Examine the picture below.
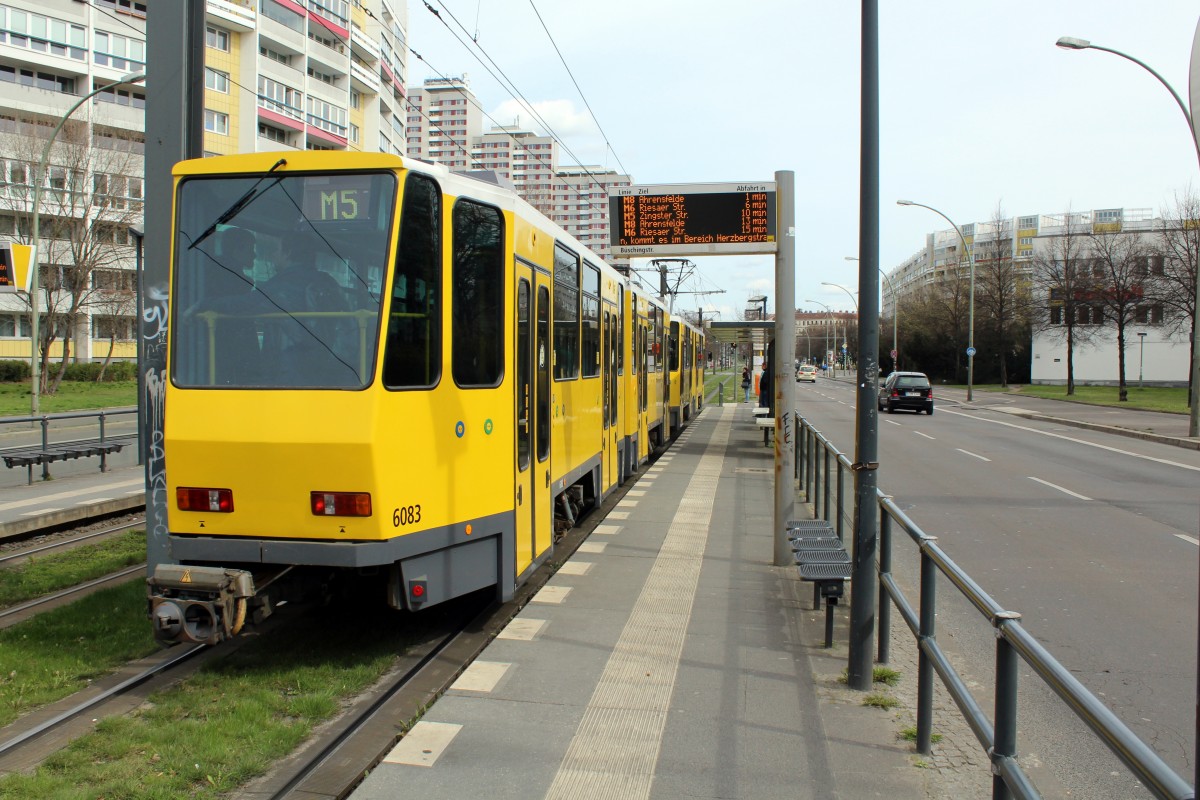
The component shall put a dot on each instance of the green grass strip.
(231, 721)
(71, 396)
(41, 575)
(1171, 399)
(60, 652)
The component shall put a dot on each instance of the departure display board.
(693, 219)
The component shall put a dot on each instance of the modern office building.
(280, 75)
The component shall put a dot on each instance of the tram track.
(24, 735)
(342, 754)
(342, 751)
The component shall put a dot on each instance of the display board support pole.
(784, 368)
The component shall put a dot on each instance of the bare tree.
(1119, 267)
(1179, 248)
(91, 194)
(115, 305)
(1001, 293)
(1062, 277)
(935, 332)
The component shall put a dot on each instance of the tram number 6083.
(406, 515)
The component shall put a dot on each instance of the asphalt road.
(1093, 538)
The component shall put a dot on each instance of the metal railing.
(1013, 642)
(44, 422)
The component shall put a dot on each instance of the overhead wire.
(582, 97)
(508, 85)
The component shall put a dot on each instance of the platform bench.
(822, 559)
(768, 427)
(29, 457)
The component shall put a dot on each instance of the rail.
(1013, 642)
(45, 451)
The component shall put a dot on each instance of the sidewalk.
(1154, 426)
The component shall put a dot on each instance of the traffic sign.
(971, 352)
(894, 354)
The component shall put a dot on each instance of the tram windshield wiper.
(251, 194)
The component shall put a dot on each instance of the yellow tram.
(378, 365)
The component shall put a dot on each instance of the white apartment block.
(280, 75)
(445, 125)
(1155, 350)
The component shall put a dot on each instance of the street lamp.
(759, 298)
(1141, 355)
(844, 289)
(1071, 43)
(895, 313)
(830, 310)
(40, 177)
(970, 297)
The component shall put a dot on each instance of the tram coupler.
(204, 605)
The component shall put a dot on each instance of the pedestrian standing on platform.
(766, 391)
(746, 384)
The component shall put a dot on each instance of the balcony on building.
(237, 15)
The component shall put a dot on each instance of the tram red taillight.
(189, 498)
(341, 504)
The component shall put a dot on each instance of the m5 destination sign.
(693, 219)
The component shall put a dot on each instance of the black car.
(906, 390)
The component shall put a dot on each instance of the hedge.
(16, 371)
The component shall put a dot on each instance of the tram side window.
(591, 321)
(477, 316)
(566, 314)
(636, 327)
(621, 330)
(414, 345)
(673, 348)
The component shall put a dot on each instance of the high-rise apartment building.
(279, 75)
(445, 125)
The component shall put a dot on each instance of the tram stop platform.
(667, 658)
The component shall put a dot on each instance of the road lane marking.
(973, 455)
(1061, 489)
(926, 435)
(1165, 461)
(892, 422)
(1187, 538)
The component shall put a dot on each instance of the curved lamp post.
(895, 313)
(1071, 43)
(35, 389)
(830, 310)
(852, 300)
(970, 298)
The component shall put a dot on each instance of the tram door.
(524, 426)
(534, 523)
(608, 375)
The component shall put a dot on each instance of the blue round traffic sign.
(971, 351)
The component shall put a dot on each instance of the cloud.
(568, 123)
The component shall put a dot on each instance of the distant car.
(906, 390)
(807, 373)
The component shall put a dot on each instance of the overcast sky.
(978, 109)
